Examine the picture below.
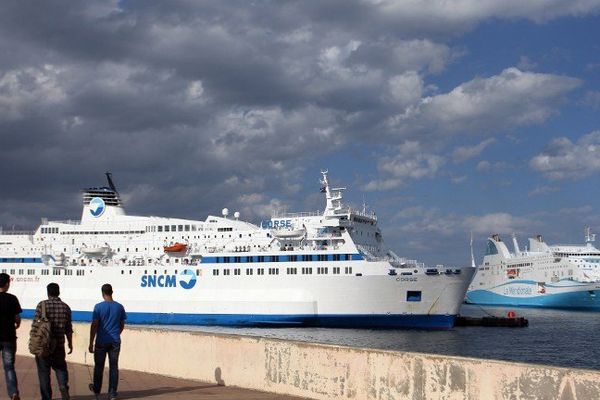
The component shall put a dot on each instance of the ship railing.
(20, 233)
(281, 214)
(364, 214)
(67, 221)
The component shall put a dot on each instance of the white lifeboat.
(96, 251)
(288, 233)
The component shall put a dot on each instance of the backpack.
(40, 336)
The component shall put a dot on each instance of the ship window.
(187, 228)
(491, 248)
(167, 228)
(173, 228)
(160, 228)
(180, 228)
(236, 271)
(248, 271)
(413, 295)
(215, 272)
(261, 271)
(226, 272)
(69, 272)
(193, 228)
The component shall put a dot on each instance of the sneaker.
(64, 393)
(91, 387)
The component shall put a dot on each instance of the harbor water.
(553, 337)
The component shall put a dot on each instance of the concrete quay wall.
(332, 372)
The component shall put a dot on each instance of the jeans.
(113, 350)
(58, 363)
(8, 359)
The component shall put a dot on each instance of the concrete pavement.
(132, 385)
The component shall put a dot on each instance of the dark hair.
(53, 289)
(107, 289)
(4, 279)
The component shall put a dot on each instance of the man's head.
(4, 281)
(53, 290)
(107, 289)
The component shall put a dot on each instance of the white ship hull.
(550, 277)
(342, 301)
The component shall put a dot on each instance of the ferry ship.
(329, 268)
(560, 276)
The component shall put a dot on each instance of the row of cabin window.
(289, 271)
(291, 258)
(101, 232)
(49, 230)
(56, 271)
(172, 228)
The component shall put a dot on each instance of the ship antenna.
(472, 257)
(110, 182)
(589, 236)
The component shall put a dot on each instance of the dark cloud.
(199, 105)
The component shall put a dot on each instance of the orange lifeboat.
(176, 248)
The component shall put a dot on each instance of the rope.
(482, 309)
(85, 353)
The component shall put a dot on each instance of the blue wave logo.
(97, 206)
(190, 282)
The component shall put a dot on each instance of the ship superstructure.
(329, 268)
(561, 276)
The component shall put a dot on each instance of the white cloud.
(563, 159)
(510, 99)
(484, 166)
(442, 16)
(525, 64)
(542, 190)
(416, 54)
(29, 87)
(410, 161)
(420, 220)
(496, 223)
(464, 153)
(406, 89)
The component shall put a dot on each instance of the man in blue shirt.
(108, 322)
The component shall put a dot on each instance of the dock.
(132, 385)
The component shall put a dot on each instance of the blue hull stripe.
(580, 300)
(330, 321)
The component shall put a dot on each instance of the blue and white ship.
(329, 268)
(561, 276)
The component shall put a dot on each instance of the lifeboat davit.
(176, 248)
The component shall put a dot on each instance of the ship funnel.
(101, 203)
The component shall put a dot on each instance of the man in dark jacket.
(9, 323)
(59, 315)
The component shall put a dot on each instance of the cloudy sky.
(445, 116)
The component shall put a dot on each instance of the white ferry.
(329, 268)
(561, 276)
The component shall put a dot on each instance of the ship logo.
(188, 280)
(97, 206)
